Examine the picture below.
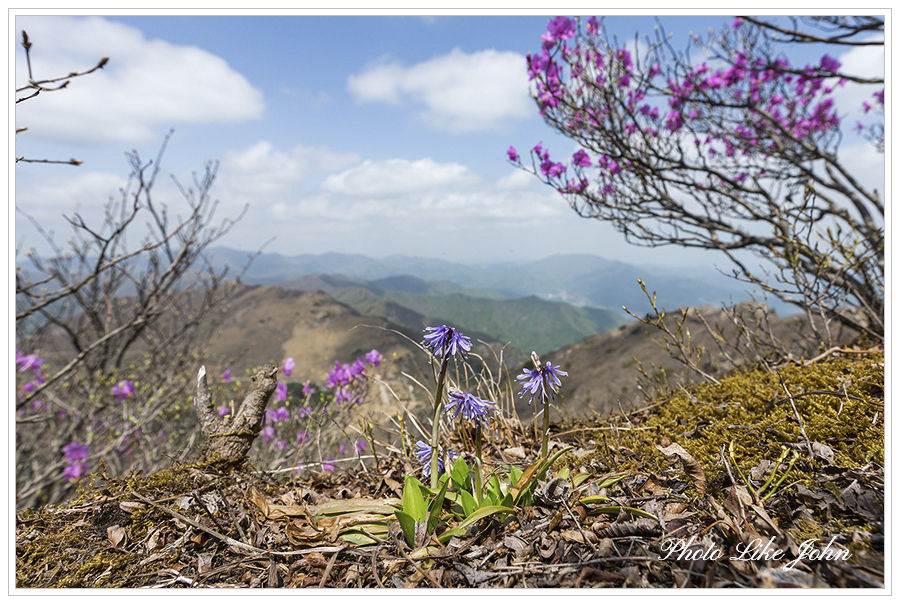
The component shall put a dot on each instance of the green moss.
(749, 409)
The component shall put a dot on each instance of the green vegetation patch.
(839, 401)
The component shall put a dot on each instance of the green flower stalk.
(443, 342)
(544, 380)
(467, 407)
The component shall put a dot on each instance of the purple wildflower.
(360, 445)
(512, 154)
(226, 375)
(326, 466)
(423, 454)
(445, 341)
(374, 357)
(829, 64)
(267, 433)
(472, 409)
(224, 410)
(288, 366)
(561, 28)
(75, 451)
(123, 390)
(581, 159)
(302, 437)
(280, 392)
(30, 362)
(540, 381)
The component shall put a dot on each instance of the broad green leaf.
(469, 504)
(507, 501)
(594, 499)
(340, 507)
(484, 513)
(610, 481)
(413, 501)
(450, 533)
(514, 474)
(563, 473)
(359, 538)
(524, 479)
(493, 487)
(460, 473)
(408, 524)
(579, 479)
(549, 462)
(434, 514)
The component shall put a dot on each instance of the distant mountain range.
(527, 323)
(581, 280)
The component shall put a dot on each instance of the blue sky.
(376, 135)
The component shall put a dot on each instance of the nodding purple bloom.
(540, 381)
(75, 471)
(445, 341)
(360, 445)
(288, 366)
(472, 409)
(326, 466)
(423, 454)
(123, 390)
(280, 392)
(75, 452)
(512, 154)
(226, 375)
(308, 390)
(224, 410)
(374, 357)
(829, 64)
(342, 449)
(561, 28)
(581, 159)
(879, 96)
(30, 362)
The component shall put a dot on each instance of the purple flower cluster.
(445, 341)
(76, 457)
(471, 408)
(124, 389)
(769, 103)
(34, 364)
(544, 381)
(423, 454)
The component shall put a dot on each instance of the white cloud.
(147, 86)
(399, 177)
(864, 62)
(460, 92)
(262, 172)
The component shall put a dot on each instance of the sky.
(375, 135)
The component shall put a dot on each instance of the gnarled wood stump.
(227, 440)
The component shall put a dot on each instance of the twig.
(234, 542)
(328, 569)
(415, 564)
(797, 415)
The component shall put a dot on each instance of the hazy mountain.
(527, 323)
(583, 280)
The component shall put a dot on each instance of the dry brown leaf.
(257, 499)
(117, 536)
(132, 506)
(691, 466)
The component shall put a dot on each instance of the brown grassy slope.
(604, 369)
(269, 324)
